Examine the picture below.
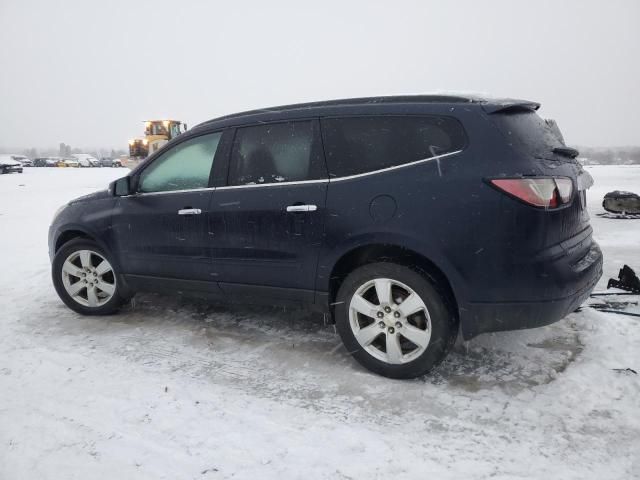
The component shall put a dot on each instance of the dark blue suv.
(404, 218)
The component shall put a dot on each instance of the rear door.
(266, 225)
(161, 230)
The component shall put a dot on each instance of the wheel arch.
(68, 235)
(389, 252)
(73, 231)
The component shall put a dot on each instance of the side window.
(364, 144)
(279, 152)
(185, 166)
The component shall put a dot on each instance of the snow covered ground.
(181, 390)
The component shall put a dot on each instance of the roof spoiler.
(510, 106)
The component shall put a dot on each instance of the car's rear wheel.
(393, 320)
(86, 279)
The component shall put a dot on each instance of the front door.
(266, 225)
(161, 230)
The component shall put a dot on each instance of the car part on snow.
(617, 307)
(627, 280)
(618, 312)
(606, 294)
(614, 304)
(625, 370)
(619, 202)
(618, 216)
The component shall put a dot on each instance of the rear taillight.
(539, 192)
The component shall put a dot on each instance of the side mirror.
(121, 187)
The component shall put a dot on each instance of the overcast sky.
(88, 73)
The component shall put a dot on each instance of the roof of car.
(489, 104)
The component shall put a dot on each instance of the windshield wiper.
(566, 152)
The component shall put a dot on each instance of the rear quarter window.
(355, 145)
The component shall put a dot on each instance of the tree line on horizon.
(609, 155)
(65, 151)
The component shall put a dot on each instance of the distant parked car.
(110, 162)
(86, 160)
(24, 161)
(9, 165)
(69, 162)
(21, 159)
(46, 162)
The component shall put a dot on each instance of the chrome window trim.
(165, 192)
(274, 184)
(395, 167)
(304, 182)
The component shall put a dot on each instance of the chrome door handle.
(190, 211)
(302, 208)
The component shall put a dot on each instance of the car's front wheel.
(86, 280)
(393, 320)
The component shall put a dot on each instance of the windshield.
(175, 130)
(530, 131)
(156, 128)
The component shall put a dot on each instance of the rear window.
(530, 131)
(356, 145)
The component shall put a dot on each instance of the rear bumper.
(574, 274)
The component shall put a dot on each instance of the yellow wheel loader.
(156, 134)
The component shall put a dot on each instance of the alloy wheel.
(88, 278)
(390, 320)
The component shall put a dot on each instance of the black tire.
(444, 324)
(120, 295)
